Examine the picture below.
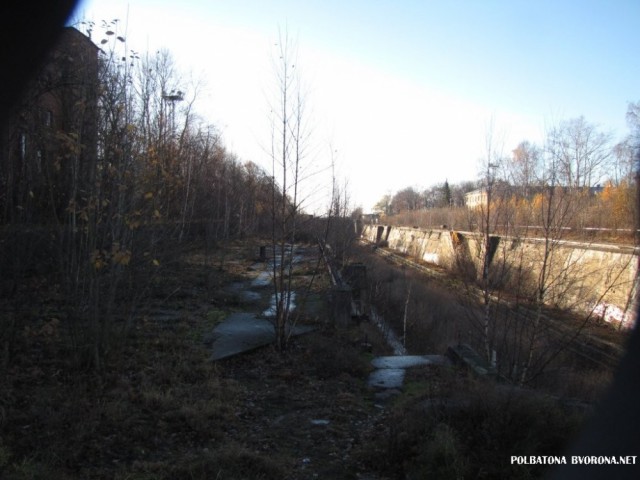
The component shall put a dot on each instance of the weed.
(470, 434)
(432, 322)
(441, 458)
(333, 355)
(5, 457)
(233, 462)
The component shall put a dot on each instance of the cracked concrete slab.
(242, 332)
(390, 370)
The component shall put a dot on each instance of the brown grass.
(451, 426)
(160, 410)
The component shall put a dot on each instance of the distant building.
(476, 198)
(48, 149)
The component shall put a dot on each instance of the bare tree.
(625, 151)
(523, 169)
(517, 324)
(492, 162)
(287, 152)
(580, 151)
(406, 199)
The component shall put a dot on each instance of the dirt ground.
(160, 409)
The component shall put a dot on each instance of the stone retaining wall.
(581, 276)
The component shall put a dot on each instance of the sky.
(399, 93)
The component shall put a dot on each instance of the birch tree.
(287, 152)
(580, 152)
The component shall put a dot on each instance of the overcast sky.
(401, 91)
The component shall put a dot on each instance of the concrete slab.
(387, 378)
(242, 332)
(248, 296)
(391, 369)
(263, 279)
(407, 361)
(463, 354)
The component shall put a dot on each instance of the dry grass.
(160, 410)
(451, 426)
(433, 320)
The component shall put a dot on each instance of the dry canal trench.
(245, 331)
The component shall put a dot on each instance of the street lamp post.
(173, 97)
